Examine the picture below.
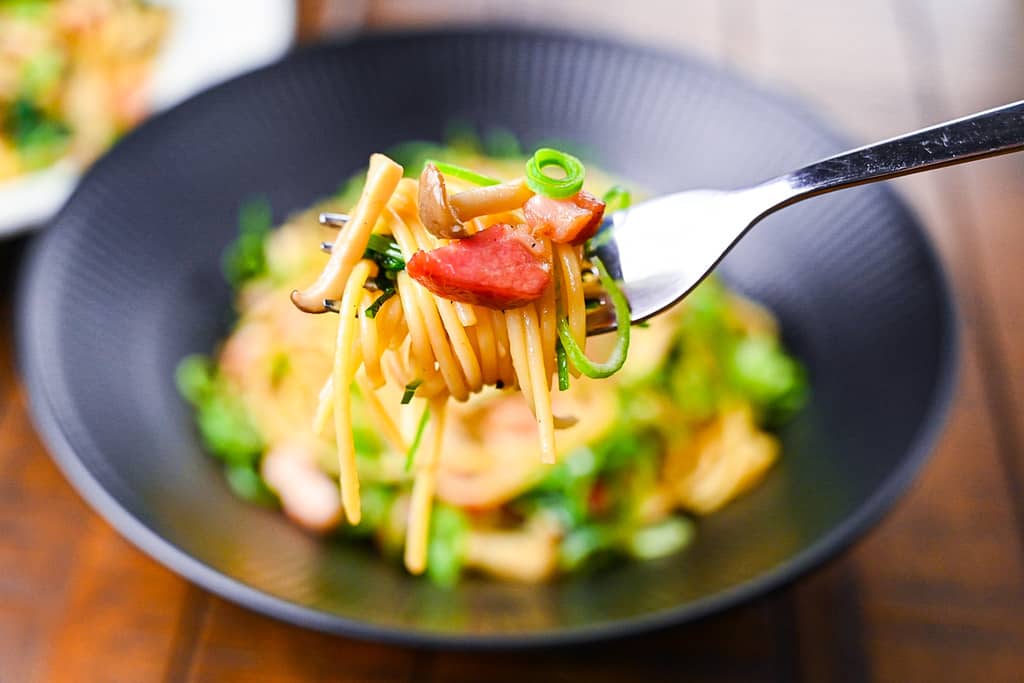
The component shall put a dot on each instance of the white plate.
(209, 42)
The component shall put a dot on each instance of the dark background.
(935, 593)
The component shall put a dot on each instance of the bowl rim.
(830, 544)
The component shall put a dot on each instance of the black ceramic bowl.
(127, 282)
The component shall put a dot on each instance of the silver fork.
(662, 248)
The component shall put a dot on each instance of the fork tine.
(334, 220)
(334, 305)
(602, 317)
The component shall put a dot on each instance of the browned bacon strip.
(499, 267)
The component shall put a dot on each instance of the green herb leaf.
(222, 419)
(382, 245)
(374, 308)
(760, 368)
(366, 442)
(501, 143)
(376, 502)
(662, 538)
(41, 72)
(27, 9)
(193, 377)
(39, 139)
(410, 456)
(410, 390)
(617, 198)
(461, 139)
(280, 366)
(581, 546)
(385, 252)
(246, 257)
(412, 155)
(446, 550)
(248, 485)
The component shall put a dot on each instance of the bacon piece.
(572, 220)
(500, 267)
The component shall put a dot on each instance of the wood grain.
(947, 567)
(936, 592)
(990, 207)
(237, 645)
(77, 602)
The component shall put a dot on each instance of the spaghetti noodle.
(450, 338)
(457, 485)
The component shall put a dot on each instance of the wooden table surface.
(934, 593)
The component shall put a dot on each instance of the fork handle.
(985, 134)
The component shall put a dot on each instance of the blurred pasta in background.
(73, 76)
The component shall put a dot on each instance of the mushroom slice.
(381, 180)
(445, 218)
(436, 214)
(481, 201)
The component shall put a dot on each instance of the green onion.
(41, 71)
(280, 366)
(388, 264)
(693, 381)
(227, 430)
(462, 173)
(601, 239)
(30, 10)
(254, 215)
(662, 538)
(503, 144)
(446, 549)
(246, 483)
(556, 188)
(760, 368)
(384, 245)
(224, 424)
(616, 198)
(581, 545)
(618, 355)
(193, 377)
(461, 139)
(563, 366)
(410, 156)
(246, 257)
(372, 309)
(376, 502)
(410, 456)
(410, 390)
(366, 442)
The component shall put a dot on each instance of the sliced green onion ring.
(410, 456)
(556, 188)
(462, 173)
(600, 370)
